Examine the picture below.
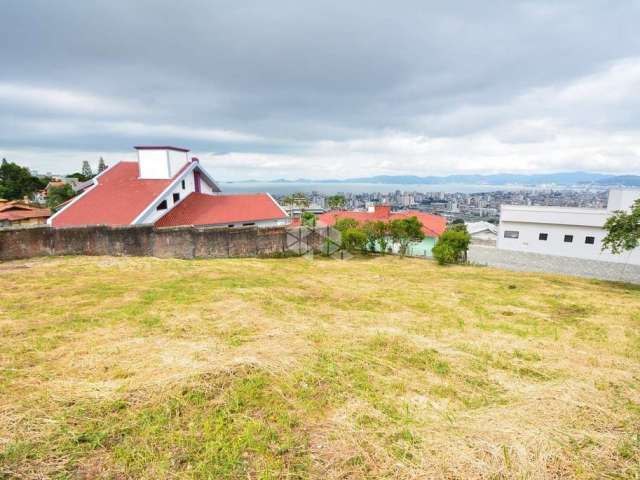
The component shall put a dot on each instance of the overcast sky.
(320, 89)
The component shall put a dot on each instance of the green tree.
(336, 202)
(58, 195)
(86, 170)
(101, 165)
(405, 231)
(452, 247)
(353, 239)
(297, 199)
(343, 224)
(377, 233)
(623, 230)
(16, 182)
(80, 176)
(458, 227)
(308, 219)
(458, 221)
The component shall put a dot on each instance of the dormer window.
(176, 197)
(184, 185)
(162, 205)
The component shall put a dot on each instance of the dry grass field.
(369, 368)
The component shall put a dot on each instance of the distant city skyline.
(327, 89)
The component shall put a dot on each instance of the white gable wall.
(622, 198)
(154, 214)
(177, 160)
(189, 186)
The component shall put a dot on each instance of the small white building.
(565, 231)
(482, 232)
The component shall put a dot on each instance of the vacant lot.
(381, 367)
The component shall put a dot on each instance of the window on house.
(568, 238)
(589, 240)
(230, 225)
(248, 224)
(543, 236)
(162, 205)
(511, 234)
(184, 185)
(176, 197)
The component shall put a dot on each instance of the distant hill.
(563, 178)
(568, 178)
(623, 180)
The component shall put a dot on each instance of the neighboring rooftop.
(432, 225)
(117, 199)
(14, 211)
(202, 209)
(477, 227)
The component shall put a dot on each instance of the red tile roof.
(432, 225)
(118, 198)
(13, 211)
(203, 209)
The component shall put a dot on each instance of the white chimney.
(160, 161)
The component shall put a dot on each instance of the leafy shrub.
(452, 247)
(377, 233)
(344, 224)
(353, 239)
(308, 219)
(405, 231)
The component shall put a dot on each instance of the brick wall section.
(182, 242)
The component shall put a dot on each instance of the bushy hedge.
(377, 234)
(452, 246)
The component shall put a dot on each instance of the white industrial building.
(565, 231)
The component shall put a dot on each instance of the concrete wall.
(144, 240)
(622, 198)
(536, 262)
(528, 241)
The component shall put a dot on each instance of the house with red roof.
(166, 189)
(432, 225)
(16, 213)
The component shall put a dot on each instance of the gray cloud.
(287, 88)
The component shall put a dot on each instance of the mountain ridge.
(561, 178)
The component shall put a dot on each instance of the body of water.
(277, 188)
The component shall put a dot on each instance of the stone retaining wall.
(181, 242)
(535, 262)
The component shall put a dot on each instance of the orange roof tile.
(203, 209)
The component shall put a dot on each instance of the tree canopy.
(101, 165)
(623, 230)
(342, 224)
(298, 199)
(336, 202)
(86, 170)
(58, 195)
(17, 182)
(405, 231)
(308, 219)
(377, 233)
(452, 246)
